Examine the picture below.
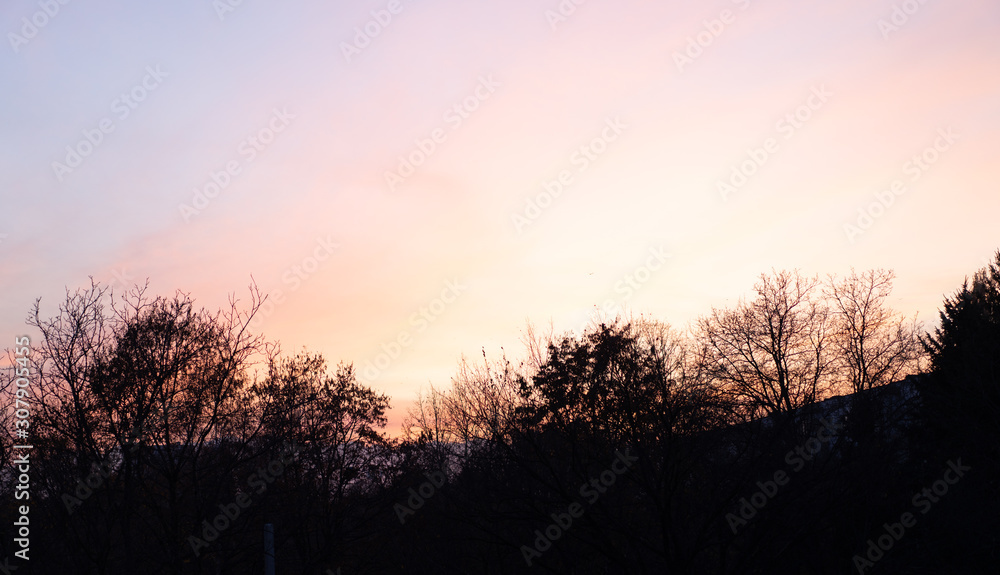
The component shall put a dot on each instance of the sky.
(412, 181)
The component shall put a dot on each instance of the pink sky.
(536, 101)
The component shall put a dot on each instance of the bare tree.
(333, 420)
(536, 344)
(480, 405)
(875, 345)
(156, 392)
(773, 353)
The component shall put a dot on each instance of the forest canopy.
(166, 436)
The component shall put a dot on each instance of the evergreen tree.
(963, 387)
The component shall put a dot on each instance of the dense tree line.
(790, 433)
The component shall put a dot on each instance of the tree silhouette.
(963, 387)
(874, 344)
(156, 424)
(774, 352)
(170, 404)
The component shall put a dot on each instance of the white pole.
(268, 549)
